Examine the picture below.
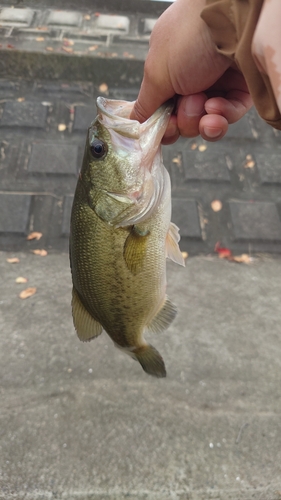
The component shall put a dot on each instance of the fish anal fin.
(85, 325)
(135, 249)
(172, 245)
(163, 318)
(150, 360)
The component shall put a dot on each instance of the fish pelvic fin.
(85, 325)
(172, 245)
(150, 360)
(163, 318)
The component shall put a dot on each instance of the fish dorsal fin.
(85, 325)
(164, 317)
(172, 245)
(135, 249)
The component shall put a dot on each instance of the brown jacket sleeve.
(233, 23)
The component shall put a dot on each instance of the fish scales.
(118, 244)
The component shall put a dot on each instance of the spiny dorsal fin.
(172, 245)
(163, 318)
(85, 325)
(135, 249)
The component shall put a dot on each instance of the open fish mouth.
(115, 115)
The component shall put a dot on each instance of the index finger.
(152, 94)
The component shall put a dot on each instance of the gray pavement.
(83, 421)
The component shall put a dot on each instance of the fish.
(121, 233)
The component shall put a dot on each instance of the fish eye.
(98, 148)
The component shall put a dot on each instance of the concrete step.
(43, 128)
(86, 42)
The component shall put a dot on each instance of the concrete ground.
(84, 422)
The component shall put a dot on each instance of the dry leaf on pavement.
(103, 88)
(243, 259)
(177, 160)
(21, 279)
(69, 50)
(216, 205)
(35, 235)
(223, 252)
(61, 127)
(28, 292)
(13, 260)
(41, 252)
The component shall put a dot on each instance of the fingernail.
(193, 106)
(212, 132)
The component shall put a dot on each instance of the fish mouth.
(115, 115)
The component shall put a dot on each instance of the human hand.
(183, 64)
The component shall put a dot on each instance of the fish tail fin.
(150, 360)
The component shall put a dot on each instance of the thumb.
(150, 98)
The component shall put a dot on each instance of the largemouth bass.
(121, 233)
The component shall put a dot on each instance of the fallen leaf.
(93, 47)
(49, 49)
(69, 50)
(10, 46)
(216, 205)
(42, 252)
(61, 127)
(202, 147)
(244, 258)
(21, 99)
(177, 160)
(224, 253)
(87, 17)
(28, 292)
(67, 43)
(103, 88)
(13, 260)
(184, 254)
(34, 236)
(40, 39)
(127, 54)
(249, 162)
(21, 279)
(193, 146)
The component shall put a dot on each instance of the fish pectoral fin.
(172, 245)
(163, 318)
(85, 325)
(150, 360)
(135, 249)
